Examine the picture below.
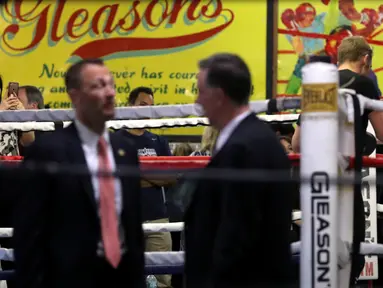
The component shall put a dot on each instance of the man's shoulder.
(348, 78)
(365, 79)
(362, 84)
(253, 128)
(156, 139)
(152, 136)
(125, 133)
(253, 133)
(121, 132)
(123, 137)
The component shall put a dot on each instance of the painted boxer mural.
(318, 27)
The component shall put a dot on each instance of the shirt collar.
(87, 136)
(229, 128)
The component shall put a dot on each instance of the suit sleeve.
(255, 214)
(30, 224)
(139, 250)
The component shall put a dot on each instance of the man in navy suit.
(237, 233)
(75, 230)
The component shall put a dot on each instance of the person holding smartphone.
(9, 140)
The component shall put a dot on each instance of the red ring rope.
(189, 162)
(11, 158)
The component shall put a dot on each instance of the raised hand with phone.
(11, 101)
(10, 140)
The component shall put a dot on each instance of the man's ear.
(73, 95)
(367, 60)
(219, 95)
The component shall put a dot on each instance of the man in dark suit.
(237, 233)
(81, 231)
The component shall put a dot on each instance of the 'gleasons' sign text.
(116, 19)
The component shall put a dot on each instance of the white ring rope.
(175, 259)
(143, 112)
(140, 112)
(138, 124)
(153, 112)
(43, 120)
(148, 227)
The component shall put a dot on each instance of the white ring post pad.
(319, 149)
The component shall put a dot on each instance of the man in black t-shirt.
(153, 195)
(362, 85)
(355, 59)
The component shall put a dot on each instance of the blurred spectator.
(9, 139)
(209, 137)
(11, 142)
(282, 129)
(287, 130)
(182, 149)
(286, 143)
(32, 99)
(276, 127)
(154, 198)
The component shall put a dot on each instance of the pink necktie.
(108, 213)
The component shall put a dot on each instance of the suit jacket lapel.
(76, 156)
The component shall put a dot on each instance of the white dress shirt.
(89, 142)
(226, 132)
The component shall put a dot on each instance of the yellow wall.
(242, 30)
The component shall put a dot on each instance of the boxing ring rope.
(137, 124)
(142, 112)
(345, 108)
(44, 120)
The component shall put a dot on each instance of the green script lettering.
(50, 71)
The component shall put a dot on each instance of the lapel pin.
(121, 152)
